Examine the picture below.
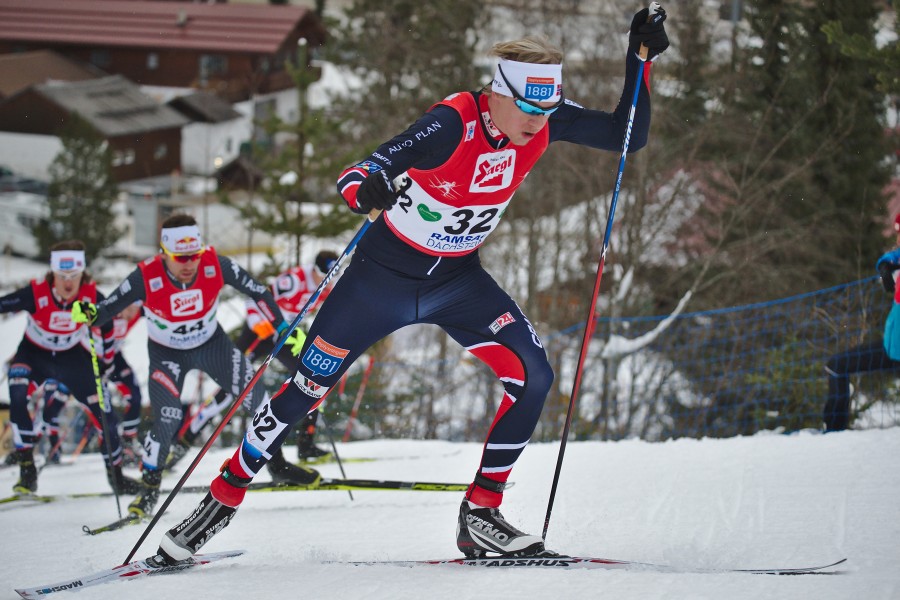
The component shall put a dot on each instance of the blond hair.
(530, 49)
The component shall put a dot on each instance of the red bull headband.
(64, 261)
(181, 240)
(533, 82)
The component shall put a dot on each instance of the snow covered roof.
(204, 108)
(113, 105)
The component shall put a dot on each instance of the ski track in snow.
(760, 502)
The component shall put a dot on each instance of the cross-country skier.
(179, 288)
(122, 376)
(458, 167)
(292, 289)
(55, 352)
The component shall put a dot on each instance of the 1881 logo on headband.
(539, 88)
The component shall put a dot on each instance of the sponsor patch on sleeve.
(501, 322)
(369, 166)
(323, 358)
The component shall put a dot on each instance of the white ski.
(585, 562)
(133, 570)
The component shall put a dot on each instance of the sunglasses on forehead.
(527, 106)
(184, 258)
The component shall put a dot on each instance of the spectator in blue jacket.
(881, 355)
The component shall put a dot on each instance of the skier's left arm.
(107, 336)
(235, 276)
(604, 130)
(886, 266)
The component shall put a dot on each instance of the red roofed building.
(234, 50)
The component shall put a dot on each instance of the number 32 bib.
(451, 210)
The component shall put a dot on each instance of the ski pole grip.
(653, 8)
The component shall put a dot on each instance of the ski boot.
(27, 483)
(142, 505)
(283, 472)
(131, 449)
(54, 450)
(306, 447)
(212, 516)
(179, 449)
(120, 483)
(481, 529)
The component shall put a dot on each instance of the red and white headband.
(64, 261)
(181, 240)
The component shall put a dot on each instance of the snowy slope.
(763, 501)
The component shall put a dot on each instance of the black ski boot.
(284, 472)
(143, 504)
(54, 451)
(131, 449)
(178, 451)
(27, 483)
(480, 530)
(306, 446)
(120, 483)
(185, 539)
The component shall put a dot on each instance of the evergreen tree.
(794, 169)
(296, 174)
(407, 56)
(81, 193)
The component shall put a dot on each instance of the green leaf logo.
(426, 214)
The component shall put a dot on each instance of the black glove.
(652, 34)
(376, 192)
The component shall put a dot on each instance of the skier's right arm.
(21, 299)
(129, 291)
(426, 144)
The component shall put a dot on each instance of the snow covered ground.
(764, 501)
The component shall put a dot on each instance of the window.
(123, 157)
(212, 65)
(100, 58)
(160, 152)
(153, 61)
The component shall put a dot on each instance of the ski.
(30, 498)
(133, 570)
(130, 519)
(329, 458)
(584, 562)
(267, 486)
(325, 484)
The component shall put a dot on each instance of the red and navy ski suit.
(419, 263)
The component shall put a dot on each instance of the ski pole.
(256, 377)
(104, 425)
(337, 457)
(358, 400)
(589, 325)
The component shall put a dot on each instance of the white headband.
(181, 240)
(534, 82)
(67, 260)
